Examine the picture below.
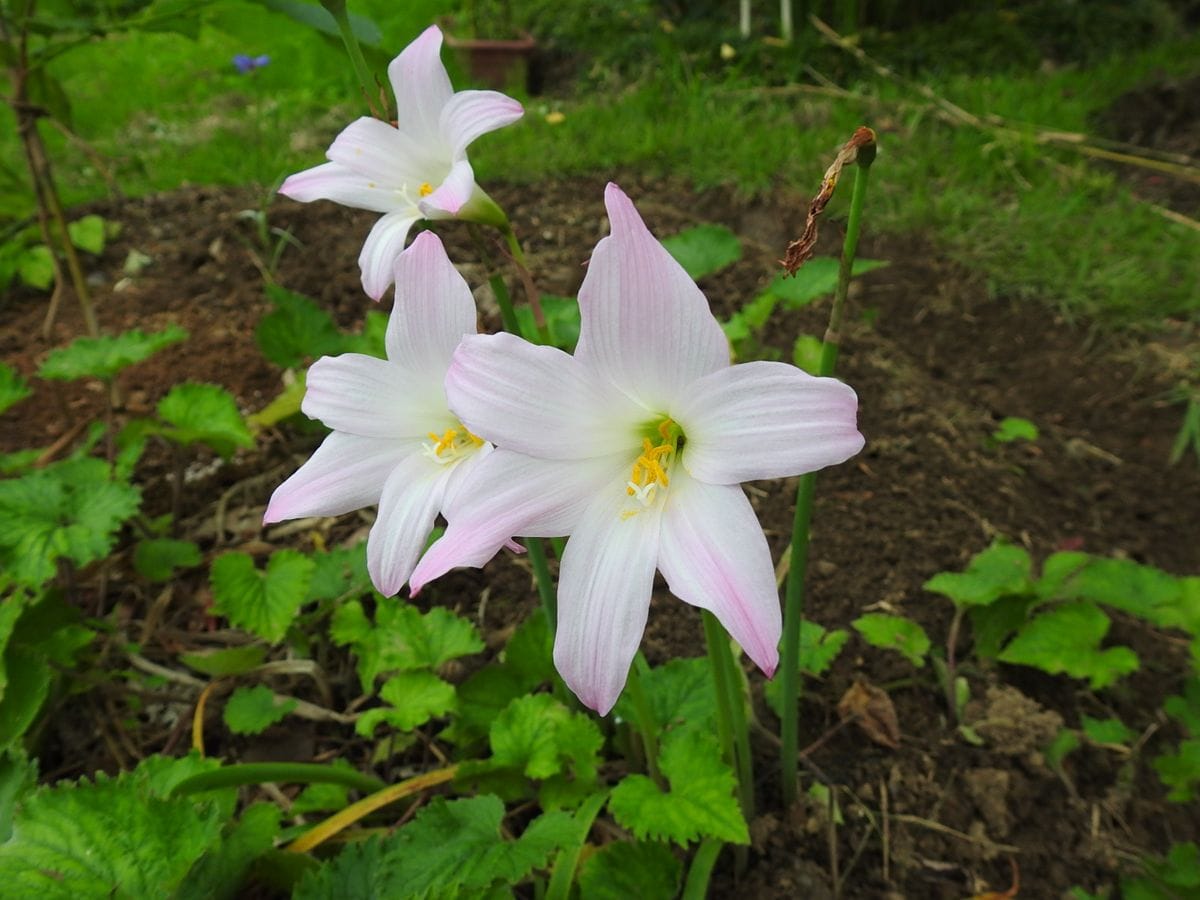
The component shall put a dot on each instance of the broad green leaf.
(340, 572)
(1180, 771)
(681, 693)
(36, 267)
(103, 357)
(1185, 707)
(704, 249)
(541, 737)
(322, 797)
(806, 353)
(413, 697)
(88, 234)
(816, 278)
(18, 776)
(620, 870)
(372, 340)
(451, 849)
(402, 638)
(13, 388)
(998, 571)
(67, 510)
(226, 661)
(220, 873)
(253, 710)
(1106, 731)
(894, 633)
(25, 690)
(562, 320)
(206, 414)
(700, 802)
(818, 649)
(1014, 428)
(750, 318)
(1143, 591)
(264, 603)
(157, 559)
(297, 331)
(529, 651)
(319, 19)
(1067, 639)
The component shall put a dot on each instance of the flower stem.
(696, 886)
(545, 583)
(645, 716)
(731, 710)
(337, 8)
(793, 610)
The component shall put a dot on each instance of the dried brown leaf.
(872, 709)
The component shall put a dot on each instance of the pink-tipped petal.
(372, 397)
(713, 554)
(507, 494)
(645, 325)
(407, 509)
(604, 595)
(385, 157)
(333, 181)
(434, 309)
(765, 420)
(380, 251)
(470, 114)
(452, 194)
(538, 400)
(421, 86)
(345, 473)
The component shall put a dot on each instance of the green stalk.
(337, 8)
(568, 858)
(696, 886)
(645, 716)
(545, 584)
(731, 711)
(259, 773)
(793, 610)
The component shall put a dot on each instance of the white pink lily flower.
(635, 447)
(394, 442)
(417, 169)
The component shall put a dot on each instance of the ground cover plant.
(215, 680)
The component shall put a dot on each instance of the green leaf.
(647, 870)
(67, 510)
(226, 661)
(26, 687)
(562, 321)
(451, 849)
(681, 692)
(204, 413)
(88, 234)
(18, 776)
(1107, 731)
(1143, 591)
(13, 388)
(341, 572)
(700, 802)
(818, 649)
(318, 18)
(806, 353)
(1013, 428)
(1067, 640)
(298, 330)
(1064, 744)
(1180, 771)
(816, 278)
(895, 633)
(414, 698)
(402, 638)
(36, 267)
(264, 603)
(103, 357)
(254, 710)
(704, 249)
(750, 318)
(998, 571)
(157, 559)
(222, 870)
(322, 797)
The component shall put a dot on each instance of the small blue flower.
(247, 64)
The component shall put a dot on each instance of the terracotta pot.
(497, 64)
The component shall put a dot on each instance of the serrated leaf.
(35, 266)
(402, 638)
(226, 661)
(647, 870)
(894, 633)
(451, 849)
(529, 651)
(206, 414)
(1143, 591)
(1000, 570)
(103, 357)
(699, 804)
(157, 559)
(264, 603)
(1106, 731)
(704, 249)
(253, 710)
(88, 234)
(1180, 771)
(221, 871)
(1067, 640)
(816, 278)
(13, 388)
(340, 572)
(540, 737)
(680, 692)
(67, 510)
(818, 649)
(297, 331)
(414, 699)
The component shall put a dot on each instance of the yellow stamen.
(451, 445)
(425, 189)
(649, 472)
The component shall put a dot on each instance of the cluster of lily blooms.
(634, 447)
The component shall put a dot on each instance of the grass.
(1036, 221)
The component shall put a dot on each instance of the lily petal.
(421, 86)
(604, 589)
(644, 323)
(371, 397)
(434, 309)
(333, 181)
(507, 494)
(452, 194)
(538, 400)
(470, 114)
(713, 554)
(345, 473)
(765, 420)
(407, 509)
(385, 156)
(383, 245)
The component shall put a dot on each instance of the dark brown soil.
(936, 363)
